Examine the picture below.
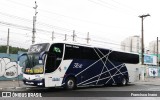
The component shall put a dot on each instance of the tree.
(12, 50)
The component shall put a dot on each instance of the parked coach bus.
(72, 65)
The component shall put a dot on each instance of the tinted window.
(81, 52)
(89, 53)
(73, 52)
(124, 57)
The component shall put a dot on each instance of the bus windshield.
(35, 64)
(30, 60)
(32, 65)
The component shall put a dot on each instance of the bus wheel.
(124, 82)
(70, 83)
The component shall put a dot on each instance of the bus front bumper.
(39, 83)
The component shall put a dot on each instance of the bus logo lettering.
(55, 79)
(77, 65)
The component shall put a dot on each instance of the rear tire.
(124, 82)
(70, 83)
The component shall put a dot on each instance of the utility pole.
(65, 39)
(157, 54)
(34, 23)
(131, 45)
(154, 49)
(74, 35)
(8, 42)
(53, 35)
(142, 42)
(87, 38)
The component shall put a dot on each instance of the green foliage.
(12, 50)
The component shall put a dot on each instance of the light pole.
(157, 54)
(142, 42)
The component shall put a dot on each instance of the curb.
(147, 83)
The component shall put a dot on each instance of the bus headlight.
(40, 84)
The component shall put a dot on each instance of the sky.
(107, 21)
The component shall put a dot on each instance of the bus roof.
(86, 45)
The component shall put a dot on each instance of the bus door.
(49, 69)
(53, 60)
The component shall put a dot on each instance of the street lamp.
(142, 42)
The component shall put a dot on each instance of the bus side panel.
(91, 72)
(80, 67)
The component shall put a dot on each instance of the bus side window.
(89, 53)
(86, 53)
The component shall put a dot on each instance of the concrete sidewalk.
(12, 84)
(149, 81)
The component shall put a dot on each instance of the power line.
(40, 23)
(49, 32)
(104, 4)
(23, 27)
(13, 41)
(22, 4)
(77, 37)
(15, 25)
(117, 7)
(110, 43)
(72, 18)
(128, 7)
(44, 24)
(15, 33)
(15, 17)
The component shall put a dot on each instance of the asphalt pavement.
(151, 84)
(19, 84)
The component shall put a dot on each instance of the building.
(131, 44)
(153, 47)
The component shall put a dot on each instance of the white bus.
(73, 65)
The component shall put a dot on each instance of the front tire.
(70, 83)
